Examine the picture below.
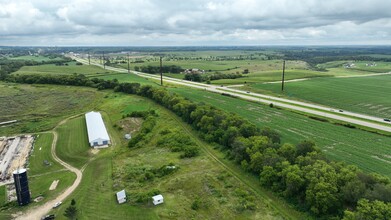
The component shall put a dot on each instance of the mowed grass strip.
(72, 145)
(42, 154)
(368, 95)
(366, 150)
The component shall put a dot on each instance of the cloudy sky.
(194, 22)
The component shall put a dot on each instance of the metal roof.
(95, 127)
(121, 195)
(157, 197)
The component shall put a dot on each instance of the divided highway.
(323, 111)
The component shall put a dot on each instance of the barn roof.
(95, 127)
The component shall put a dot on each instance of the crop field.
(34, 58)
(368, 151)
(51, 69)
(72, 145)
(197, 179)
(360, 67)
(368, 95)
(39, 108)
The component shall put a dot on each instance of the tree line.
(198, 77)
(301, 173)
(156, 69)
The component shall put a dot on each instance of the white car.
(57, 205)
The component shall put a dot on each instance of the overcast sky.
(194, 22)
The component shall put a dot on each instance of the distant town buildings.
(194, 71)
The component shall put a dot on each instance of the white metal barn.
(158, 199)
(121, 196)
(97, 133)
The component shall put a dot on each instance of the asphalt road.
(319, 110)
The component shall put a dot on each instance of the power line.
(283, 76)
(161, 72)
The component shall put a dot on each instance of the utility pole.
(283, 76)
(104, 63)
(161, 72)
(89, 61)
(128, 64)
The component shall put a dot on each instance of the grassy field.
(199, 178)
(39, 108)
(51, 69)
(368, 95)
(3, 196)
(131, 78)
(360, 67)
(37, 58)
(41, 176)
(72, 145)
(41, 153)
(366, 150)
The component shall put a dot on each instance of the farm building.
(121, 196)
(158, 199)
(97, 133)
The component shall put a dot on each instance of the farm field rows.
(51, 69)
(368, 95)
(366, 150)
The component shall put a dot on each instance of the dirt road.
(42, 210)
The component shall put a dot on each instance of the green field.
(360, 67)
(72, 145)
(368, 95)
(41, 153)
(3, 196)
(368, 151)
(51, 69)
(198, 178)
(39, 108)
(36, 58)
(131, 78)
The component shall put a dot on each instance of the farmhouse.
(97, 133)
(121, 196)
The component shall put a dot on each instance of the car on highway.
(57, 204)
(340, 110)
(248, 92)
(386, 119)
(48, 217)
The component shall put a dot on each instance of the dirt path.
(38, 212)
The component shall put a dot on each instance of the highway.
(314, 109)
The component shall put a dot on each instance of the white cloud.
(194, 22)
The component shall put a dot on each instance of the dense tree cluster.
(197, 77)
(298, 172)
(156, 69)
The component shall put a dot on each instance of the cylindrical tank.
(22, 186)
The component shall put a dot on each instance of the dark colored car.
(48, 217)
(386, 119)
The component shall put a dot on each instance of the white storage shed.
(97, 133)
(158, 199)
(121, 196)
